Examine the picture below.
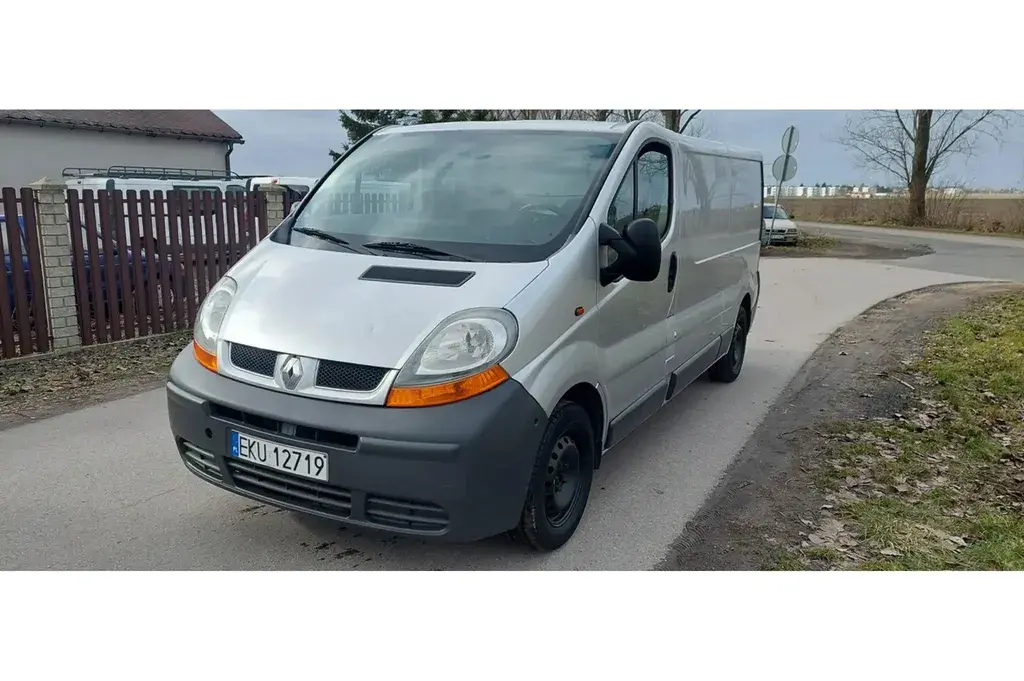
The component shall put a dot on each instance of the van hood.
(323, 304)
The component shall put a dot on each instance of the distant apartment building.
(823, 191)
(827, 191)
(820, 191)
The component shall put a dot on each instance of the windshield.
(495, 195)
(780, 212)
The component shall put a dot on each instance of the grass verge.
(38, 386)
(940, 486)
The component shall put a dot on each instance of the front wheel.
(728, 368)
(561, 480)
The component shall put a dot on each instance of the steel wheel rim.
(563, 481)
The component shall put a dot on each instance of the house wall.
(28, 153)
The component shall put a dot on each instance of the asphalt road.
(967, 254)
(102, 488)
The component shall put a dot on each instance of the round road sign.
(782, 164)
(790, 140)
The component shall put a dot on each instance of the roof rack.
(152, 173)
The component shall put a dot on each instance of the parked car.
(458, 368)
(88, 261)
(9, 263)
(785, 230)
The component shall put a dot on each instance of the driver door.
(634, 336)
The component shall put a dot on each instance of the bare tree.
(913, 145)
(514, 114)
(621, 115)
(630, 115)
(699, 128)
(679, 120)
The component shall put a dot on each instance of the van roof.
(553, 125)
(692, 143)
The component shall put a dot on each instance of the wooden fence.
(143, 263)
(129, 264)
(23, 320)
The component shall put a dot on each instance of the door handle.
(672, 267)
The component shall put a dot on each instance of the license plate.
(279, 457)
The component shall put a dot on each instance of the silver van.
(452, 358)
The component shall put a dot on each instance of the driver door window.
(645, 192)
(653, 188)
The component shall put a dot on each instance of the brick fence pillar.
(275, 205)
(55, 239)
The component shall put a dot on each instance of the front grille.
(345, 376)
(315, 496)
(253, 360)
(269, 425)
(329, 374)
(406, 514)
(200, 460)
(290, 489)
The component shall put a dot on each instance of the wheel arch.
(590, 398)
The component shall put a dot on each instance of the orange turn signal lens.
(446, 393)
(207, 359)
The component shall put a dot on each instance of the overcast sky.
(296, 143)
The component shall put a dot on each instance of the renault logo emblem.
(291, 371)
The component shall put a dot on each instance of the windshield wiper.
(408, 247)
(326, 236)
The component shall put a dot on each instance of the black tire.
(557, 496)
(728, 368)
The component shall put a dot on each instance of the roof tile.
(196, 123)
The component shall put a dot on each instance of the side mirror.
(638, 249)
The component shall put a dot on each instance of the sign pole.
(778, 194)
(790, 140)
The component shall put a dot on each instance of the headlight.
(458, 360)
(209, 320)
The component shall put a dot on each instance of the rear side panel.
(745, 224)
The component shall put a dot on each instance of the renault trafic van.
(454, 361)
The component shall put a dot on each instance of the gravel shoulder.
(860, 464)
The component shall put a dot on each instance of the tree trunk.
(917, 213)
(671, 119)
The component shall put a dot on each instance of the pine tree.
(359, 123)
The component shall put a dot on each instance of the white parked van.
(151, 179)
(457, 365)
(194, 182)
(296, 187)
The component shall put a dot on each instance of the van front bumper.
(458, 471)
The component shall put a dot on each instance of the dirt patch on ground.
(48, 385)
(852, 435)
(814, 245)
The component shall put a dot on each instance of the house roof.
(188, 123)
